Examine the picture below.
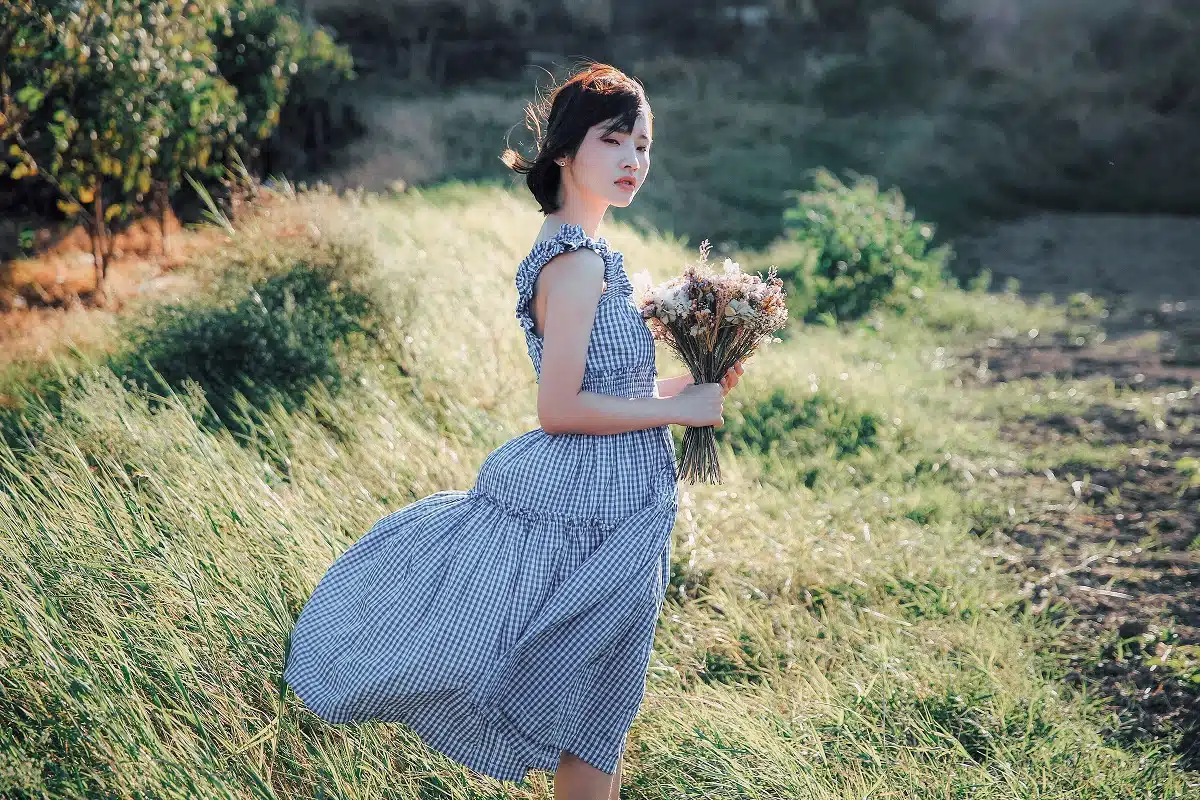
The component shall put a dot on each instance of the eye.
(610, 139)
(644, 149)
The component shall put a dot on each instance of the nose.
(630, 159)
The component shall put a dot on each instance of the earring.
(561, 163)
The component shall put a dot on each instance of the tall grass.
(843, 638)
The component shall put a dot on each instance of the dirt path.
(1118, 546)
(1114, 551)
(1145, 260)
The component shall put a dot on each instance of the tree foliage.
(107, 102)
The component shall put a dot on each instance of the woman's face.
(611, 166)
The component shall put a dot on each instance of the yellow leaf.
(19, 171)
(69, 208)
(112, 211)
(143, 182)
(87, 195)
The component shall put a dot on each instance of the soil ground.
(1114, 550)
(1117, 554)
(46, 301)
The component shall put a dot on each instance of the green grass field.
(837, 626)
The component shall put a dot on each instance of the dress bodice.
(620, 354)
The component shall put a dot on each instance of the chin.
(624, 200)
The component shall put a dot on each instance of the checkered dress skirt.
(514, 620)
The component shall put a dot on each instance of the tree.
(274, 61)
(112, 104)
(86, 96)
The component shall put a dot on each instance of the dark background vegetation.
(975, 109)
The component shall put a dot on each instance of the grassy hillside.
(838, 626)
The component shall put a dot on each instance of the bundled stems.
(711, 322)
(698, 455)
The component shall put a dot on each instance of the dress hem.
(546, 755)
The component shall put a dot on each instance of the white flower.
(641, 283)
(732, 268)
(676, 301)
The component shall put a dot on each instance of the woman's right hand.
(699, 405)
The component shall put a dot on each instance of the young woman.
(510, 625)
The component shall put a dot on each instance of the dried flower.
(711, 321)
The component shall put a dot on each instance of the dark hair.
(597, 93)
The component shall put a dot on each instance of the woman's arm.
(669, 387)
(572, 283)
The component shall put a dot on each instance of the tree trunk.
(99, 245)
(162, 204)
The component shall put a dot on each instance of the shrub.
(269, 333)
(285, 73)
(277, 341)
(867, 249)
(101, 103)
(821, 424)
(111, 106)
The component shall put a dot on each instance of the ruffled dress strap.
(569, 237)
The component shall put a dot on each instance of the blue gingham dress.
(512, 621)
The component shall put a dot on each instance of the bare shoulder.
(581, 269)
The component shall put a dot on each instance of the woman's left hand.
(731, 377)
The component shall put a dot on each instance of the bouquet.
(711, 321)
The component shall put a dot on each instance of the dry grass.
(817, 642)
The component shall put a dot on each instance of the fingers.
(731, 377)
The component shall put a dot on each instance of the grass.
(837, 636)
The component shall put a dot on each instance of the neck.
(585, 212)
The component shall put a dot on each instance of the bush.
(270, 332)
(278, 341)
(867, 250)
(288, 76)
(822, 424)
(103, 105)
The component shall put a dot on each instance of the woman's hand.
(731, 377)
(699, 405)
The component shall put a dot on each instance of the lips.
(627, 182)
